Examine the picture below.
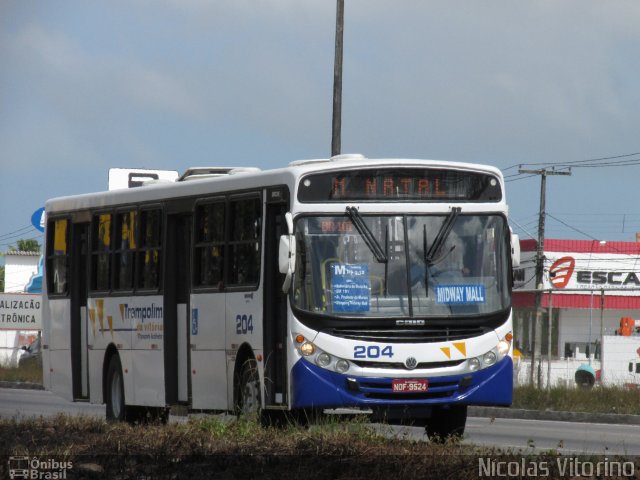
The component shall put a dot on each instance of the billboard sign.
(20, 311)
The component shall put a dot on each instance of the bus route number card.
(350, 287)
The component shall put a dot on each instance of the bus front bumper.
(315, 387)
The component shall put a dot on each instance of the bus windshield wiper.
(443, 234)
(366, 234)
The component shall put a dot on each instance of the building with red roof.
(589, 285)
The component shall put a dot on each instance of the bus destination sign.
(432, 185)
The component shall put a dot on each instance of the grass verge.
(209, 448)
(31, 373)
(594, 400)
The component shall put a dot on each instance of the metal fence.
(552, 343)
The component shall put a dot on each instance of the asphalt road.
(15, 402)
(531, 436)
(506, 433)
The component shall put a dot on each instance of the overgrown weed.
(594, 400)
(31, 373)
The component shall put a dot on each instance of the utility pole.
(337, 82)
(537, 326)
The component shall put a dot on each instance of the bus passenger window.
(148, 253)
(57, 256)
(126, 228)
(244, 244)
(209, 245)
(101, 252)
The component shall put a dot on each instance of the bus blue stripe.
(315, 387)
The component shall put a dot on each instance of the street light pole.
(337, 82)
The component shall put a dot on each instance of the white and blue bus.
(382, 285)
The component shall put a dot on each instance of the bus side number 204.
(244, 324)
(372, 351)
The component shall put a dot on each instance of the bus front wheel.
(249, 398)
(447, 423)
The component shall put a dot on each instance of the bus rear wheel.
(447, 423)
(249, 398)
(116, 408)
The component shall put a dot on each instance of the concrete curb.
(579, 417)
(490, 412)
(22, 385)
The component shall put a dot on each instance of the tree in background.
(28, 245)
(2, 278)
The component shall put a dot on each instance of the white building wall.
(18, 270)
(620, 353)
(575, 325)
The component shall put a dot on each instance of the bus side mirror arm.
(287, 254)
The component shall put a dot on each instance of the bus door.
(79, 358)
(176, 305)
(207, 309)
(275, 302)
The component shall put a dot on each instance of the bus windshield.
(402, 265)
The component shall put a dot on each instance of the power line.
(624, 160)
(577, 162)
(573, 228)
(522, 228)
(516, 179)
(17, 232)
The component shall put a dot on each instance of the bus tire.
(447, 423)
(249, 403)
(116, 408)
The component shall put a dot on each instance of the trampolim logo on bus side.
(561, 271)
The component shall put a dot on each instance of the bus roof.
(246, 179)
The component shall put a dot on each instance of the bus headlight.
(474, 364)
(489, 358)
(323, 360)
(307, 349)
(503, 347)
(342, 366)
(493, 356)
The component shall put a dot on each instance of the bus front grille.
(402, 366)
(422, 335)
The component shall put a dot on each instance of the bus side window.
(209, 245)
(244, 242)
(127, 230)
(101, 252)
(57, 256)
(148, 253)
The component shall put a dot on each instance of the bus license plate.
(404, 385)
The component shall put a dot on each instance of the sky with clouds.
(85, 86)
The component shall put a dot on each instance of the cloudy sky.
(85, 86)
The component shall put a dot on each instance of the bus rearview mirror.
(287, 258)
